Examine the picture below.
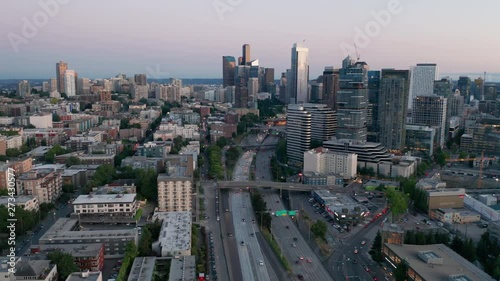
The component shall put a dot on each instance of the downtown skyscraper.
(61, 67)
(299, 75)
(422, 81)
(393, 106)
(228, 65)
(352, 100)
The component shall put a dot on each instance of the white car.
(261, 262)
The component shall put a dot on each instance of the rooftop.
(84, 276)
(35, 174)
(63, 224)
(182, 269)
(339, 202)
(142, 269)
(76, 250)
(426, 261)
(4, 200)
(89, 234)
(105, 199)
(175, 232)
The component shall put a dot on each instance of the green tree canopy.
(65, 264)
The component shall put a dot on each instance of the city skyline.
(192, 48)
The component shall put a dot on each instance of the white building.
(25, 202)
(70, 83)
(323, 161)
(422, 81)
(14, 141)
(175, 235)
(5, 121)
(106, 204)
(85, 276)
(41, 121)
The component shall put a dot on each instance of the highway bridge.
(276, 185)
(252, 146)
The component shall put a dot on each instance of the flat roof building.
(28, 203)
(341, 207)
(86, 256)
(183, 269)
(142, 269)
(115, 241)
(175, 235)
(85, 276)
(435, 262)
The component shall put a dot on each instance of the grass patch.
(138, 215)
(277, 250)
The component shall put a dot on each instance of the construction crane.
(357, 54)
(481, 165)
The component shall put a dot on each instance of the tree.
(43, 142)
(221, 142)
(103, 175)
(398, 201)
(124, 123)
(145, 243)
(319, 229)
(376, 250)
(56, 118)
(147, 183)
(65, 264)
(12, 152)
(73, 160)
(401, 271)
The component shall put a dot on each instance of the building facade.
(299, 74)
(45, 184)
(432, 111)
(422, 81)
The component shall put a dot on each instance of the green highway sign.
(292, 213)
(281, 213)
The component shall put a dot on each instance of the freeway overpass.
(276, 185)
(252, 146)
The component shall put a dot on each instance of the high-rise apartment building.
(443, 87)
(307, 123)
(61, 67)
(246, 54)
(53, 85)
(45, 87)
(393, 99)
(422, 80)
(464, 84)
(352, 100)
(316, 92)
(23, 88)
(299, 77)
(69, 83)
(140, 79)
(330, 87)
(373, 128)
(456, 104)
(45, 184)
(431, 111)
(269, 85)
(228, 65)
(241, 93)
(490, 91)
(83, 86)
(283, 89)
(253, 90)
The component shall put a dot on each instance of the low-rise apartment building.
(27, 203)
(86, 256)
(175, 234)
(106, 207)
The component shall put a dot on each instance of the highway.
(285, 237)
(249, 253)
(293, 245)
(213, 227)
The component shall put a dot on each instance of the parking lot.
(111, 268)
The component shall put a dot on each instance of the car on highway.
(294, 245)
(295, 239)
(242, 243)
(230, 234)
(300, 276)
(243, 220)
(301, 258)
(363, 242)
(287, 227)
(354, 261)
(261, 262)
(309, 260)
